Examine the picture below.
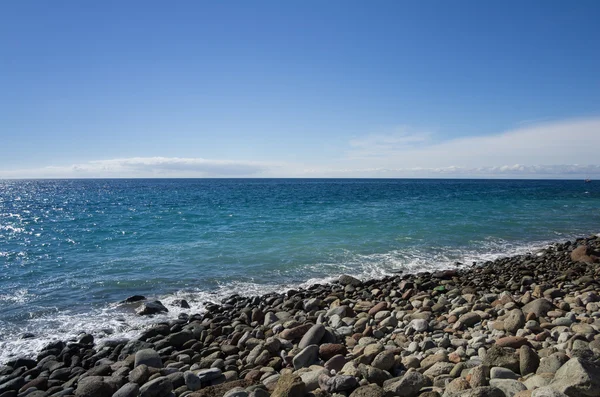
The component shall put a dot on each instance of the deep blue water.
(70, 249)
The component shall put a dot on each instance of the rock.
(478, 377)
(470, 319)
(127, 390)
(159, 387)
(133, 298)
(207, 375)
(311, 379)
(439, 368)
(585, 254)
(349, 280)
(306, 357)
(497, 356)
(578, 378)
(502, 373)
(178, 339)
(340, 383)
(547, 391)
(384, 360)
(93, 386)
(539, 307)
(312, 336)
(529, 361)
(148, 357)
(407, 386)
(509, 387)
(484, 391)
(192, 381)
(329, 350)
(149, 308)
(295, 332)
(552, 363)
(368, 391)
(236, 392)
(139, 374)
(419, 325)
(514, 321)
(512, 341)
(289, 385)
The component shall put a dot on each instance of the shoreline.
(380, 336)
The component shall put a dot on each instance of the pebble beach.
(521, 326)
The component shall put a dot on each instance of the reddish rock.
(296, 332)
(512, 341)
(328, 350)
(377, 308)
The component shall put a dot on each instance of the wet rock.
(149, 308)
(349, 280)
(148, 357)
(159, 387)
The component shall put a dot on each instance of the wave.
(114, 321)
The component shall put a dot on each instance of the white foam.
(113, 322)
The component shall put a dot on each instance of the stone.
(306, 357)
(552, 363)
(529, 360)
(192, 381)
(539, 307)
(384, 360)
(478, 377)
(368, 391)
(349, 280)
(311, 379)
(312, 336)
(329, 350)
(547, 391)
(483, 391)
(497, 356)
(148, 357)
(149, 308)
(470, 319)
(139, 374)
(578, 378)
(207, 375)
(419, 325)
(295, 332)
(440, 368)
(289, 385)
(512, 341)
(93, 386)
(127, 390)
(236, 392)
(340, 383)
(159, 387)
(502, 373)
(509, 387)
(514, 321)
(407, 386)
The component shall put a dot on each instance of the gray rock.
(306, 357)
(206, 375)
(192, 381)
(127, 390)
(311, 379)
(236, 392)
(470, 319)
(148, 308)
(408, 386)
(502, 373)
(368, 391)
(159, 387)
(547, 391)
(514, 321)
(483, 391)
(312, 336)
(340, 383)
(552, 363)
(540, 307)
(93, 386)
(349, 280)
(509, 387)
(529, 361)
(384, 360)
(148, 357)
(497, 356)
(439, 368)
(139, 374)
(578, 378)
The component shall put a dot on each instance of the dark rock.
(313, 336)
(349, 280)
(148, 308)
(133, 298)
(93, 386)
(148, 357)
(159, 387)
(127, 390)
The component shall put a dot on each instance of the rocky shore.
(527, 325)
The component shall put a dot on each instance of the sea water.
(70, 250)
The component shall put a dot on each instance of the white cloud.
(149, 167)
(566, 149)
(549, 149)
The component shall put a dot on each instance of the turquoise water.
(70, 249)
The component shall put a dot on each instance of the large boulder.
(349, 280)
(586, 254)
(578, 378)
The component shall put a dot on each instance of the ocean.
(70, 250)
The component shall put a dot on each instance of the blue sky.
(299, 88)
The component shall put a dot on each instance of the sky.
(452, 89)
